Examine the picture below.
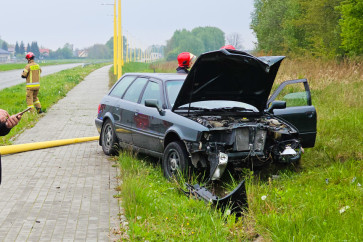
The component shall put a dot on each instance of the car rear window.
(121, 86)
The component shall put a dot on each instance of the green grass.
(301, 204)
(15, 66)
(306, 206)
(53, 87)
(158, 211)
(129, 67)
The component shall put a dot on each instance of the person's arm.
(7, 122)
(25, 72)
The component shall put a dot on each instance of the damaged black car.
(222, 114)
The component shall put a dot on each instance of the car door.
(128, 107)
(299, 110)
(149, 126)
(115, 104)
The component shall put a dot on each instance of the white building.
(4, 56)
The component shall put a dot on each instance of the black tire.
(175, 160)
(109, 139)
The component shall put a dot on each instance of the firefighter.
(32, 74)
(185, 60)
(7, 122)
(228, 47)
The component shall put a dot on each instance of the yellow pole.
(130, 52)
(11, 149)
(127, 52)
(119, 43)
(114, 40)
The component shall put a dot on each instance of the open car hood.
(230, 75)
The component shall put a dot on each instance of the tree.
(211, 37)
(298, 26)
(28, 48)
(17, 48)
(197, 41)
(35, 49)
(351, 24)
(21, 48)
(234, 39)
(4, 46)
(99, 51)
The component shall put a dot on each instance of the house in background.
(4, 56)
(83, 53)
(44, 52)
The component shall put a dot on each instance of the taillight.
(100, 109)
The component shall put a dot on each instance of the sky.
(83, 23)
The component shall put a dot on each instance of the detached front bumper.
(236, 201)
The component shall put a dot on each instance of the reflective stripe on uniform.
(25, 70)
(34, 67)
(31, 106)
(33, 84)
(36, 102)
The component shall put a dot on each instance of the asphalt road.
(13, 77)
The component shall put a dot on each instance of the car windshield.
(173, 88)
(222, 105)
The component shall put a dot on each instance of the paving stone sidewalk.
(63, 193)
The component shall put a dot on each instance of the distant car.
(220, 114)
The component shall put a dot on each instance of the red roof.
(42, 51)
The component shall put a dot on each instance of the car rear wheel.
(175, 160)
(109, 139)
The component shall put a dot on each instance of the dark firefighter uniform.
(32, 74)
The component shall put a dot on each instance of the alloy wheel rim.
(108, 136)
(174, 161)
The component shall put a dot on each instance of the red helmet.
(29, 55)
(185, 59)
(228, 47)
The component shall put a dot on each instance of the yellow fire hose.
(11, 149)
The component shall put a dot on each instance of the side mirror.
(276, 105)
(153, 103)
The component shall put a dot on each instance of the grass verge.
(158, 211)
(129, 67)
(15, 66)
(53, 87)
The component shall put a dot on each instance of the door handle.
(309, 114)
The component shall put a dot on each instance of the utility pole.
(114, 40)
(120, 43)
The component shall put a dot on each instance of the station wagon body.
(220, 114)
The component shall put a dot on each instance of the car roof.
(161, 76)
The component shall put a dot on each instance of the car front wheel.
(175, 160)
(109, 139)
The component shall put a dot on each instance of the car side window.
(294, 95)
(152, 91)
(133, 92)
(293, 92)
(121, 86)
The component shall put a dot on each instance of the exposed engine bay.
(241, 141)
